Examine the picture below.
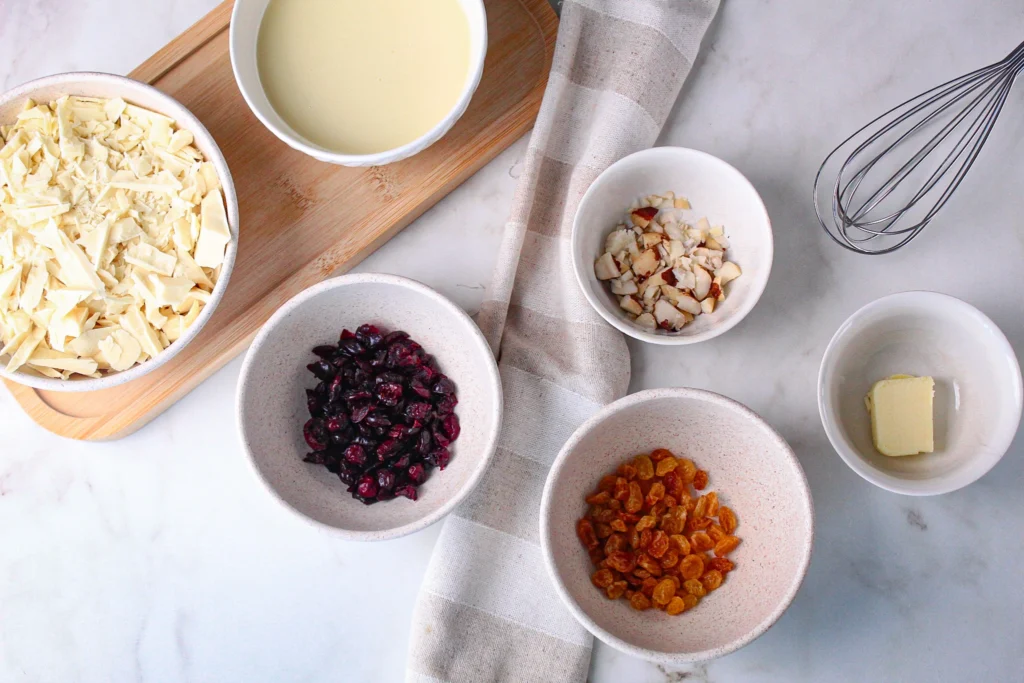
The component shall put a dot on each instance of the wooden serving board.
(302, 220)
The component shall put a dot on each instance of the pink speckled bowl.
(272, 400)
(754, 472)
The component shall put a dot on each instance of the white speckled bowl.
(978, 394)
(717, 191)
(754, 472)
(272, 400)
(95, 84)
(245, 27)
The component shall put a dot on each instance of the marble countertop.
(158, 558)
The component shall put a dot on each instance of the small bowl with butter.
(920, 393)
(358, 83)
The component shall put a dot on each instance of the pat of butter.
(901, 415)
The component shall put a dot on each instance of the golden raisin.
(644, 467)
(646, 522)
(627, 470)
(636, 498)
(722, 564)
(599, 498)
(614, 544)
(688, 470)
(633, 539)
(669, 501)
(616, 590)
(701, 508)
(639, 602)
(615, 504)
(607, 483)
(700, 541)
(726, 545)
(694, 587)
(670, 559)
(649, 563)
(603, 515)
(679, 543)
(675, 606)
(663, 592)
(712, 579)
(691, 567)
(641, 574)
(665, 466)
(716, 533)
(621, 490)
(712, 504)
(648, 586)
(658, 509)
(674, 521)
(618, 525)
(700, 480)
(585, 532)
(656, 493)
(596, 556)
(674, 484)
(602, 578)
(727, 518)
(690, 601)
(659, 544)
(621, 561)
(659, 454)
(602, 530)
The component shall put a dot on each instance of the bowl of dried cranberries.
(370, 404)
(676, 525)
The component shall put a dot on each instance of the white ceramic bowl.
(245, 28)
(272, 400)
(978, 395)
(715, 190)
(753, 471)
(104, 85)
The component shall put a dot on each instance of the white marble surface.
(158, 558)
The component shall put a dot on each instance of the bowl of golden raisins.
(676, 525)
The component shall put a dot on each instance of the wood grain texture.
(302, 220)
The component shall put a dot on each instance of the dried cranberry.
(424, 443)
(397, 335)
(377, 420)
(316, 458)
(369, 335)
(389, 394)
(451, 426)
(336, 423)
(419, 388)
(417, 411)
(408, 491)
(441, 437)
(345, 334)
(355, 454)
(439, 458)
(359, 412)
(386, 480)
(326, 352)
(367, 486)
(401, 462)
(444, 386)
(446, 404)
(321, 369)
(387, 449)
(417, 473)
(315, 434)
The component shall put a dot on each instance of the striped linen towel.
(487, 610)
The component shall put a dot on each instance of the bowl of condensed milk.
(358, 82)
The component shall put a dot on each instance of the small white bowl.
(978, 394)
(94, 84)
(754, 472)
(715, 190)
(272, 401)
(244, 33)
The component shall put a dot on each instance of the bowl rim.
(827, 410)
(641, 397)
(187, 120)
(493, 378)
(629, 327)
(476, 70)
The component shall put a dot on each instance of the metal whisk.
(885, 194)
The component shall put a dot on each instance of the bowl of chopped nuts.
(676, 525)
(672, 245)
(118, 232)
